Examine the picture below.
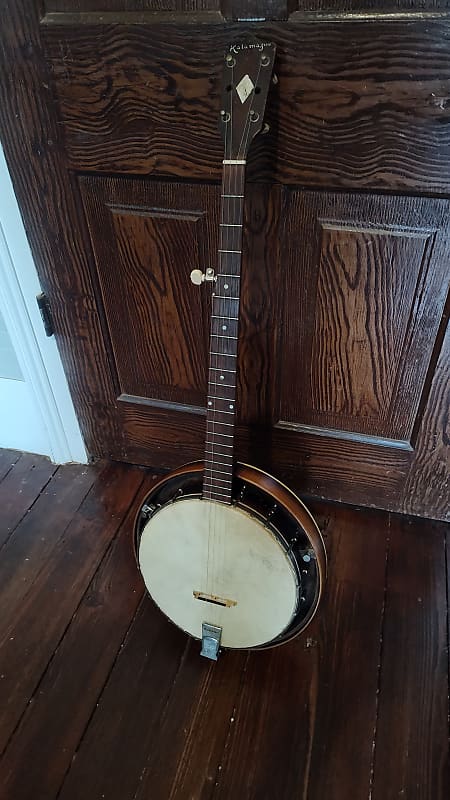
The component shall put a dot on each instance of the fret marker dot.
(231, 407)
(225, 286)
(210, 402)
(222, 377)
(224, 327)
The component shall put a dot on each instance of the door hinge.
(46, 313)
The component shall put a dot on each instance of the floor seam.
(380, 661)
(28, 509)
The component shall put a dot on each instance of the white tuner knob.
(197, 277)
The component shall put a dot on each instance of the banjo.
(227, 552)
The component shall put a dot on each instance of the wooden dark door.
(109, 121)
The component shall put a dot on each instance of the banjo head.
(204, 561)
(249, 568)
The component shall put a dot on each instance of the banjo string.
(217, 521)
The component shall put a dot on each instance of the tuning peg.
(274, 79)
(266, 128)
(198, 277)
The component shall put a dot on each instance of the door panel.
(109, 115)
(365, 106)
(366, 283)
(146, 238)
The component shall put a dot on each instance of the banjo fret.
(224, 335)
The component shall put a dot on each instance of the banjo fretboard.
(221, 401)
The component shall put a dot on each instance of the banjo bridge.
(214, 599)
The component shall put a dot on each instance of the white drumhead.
(222, 551)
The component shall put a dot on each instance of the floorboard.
(129, 712)
(57, 589)
(411, 752)
(20, 488)
(30, 546)
(101, 697)
(62, 703)
(7, 460)
(314, 700)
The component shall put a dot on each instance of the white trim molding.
(37, 354)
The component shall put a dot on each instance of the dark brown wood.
(123, 704)
(62, 704)
(29, 640)
(359, 104)
(143, 679)
(242, 117)
(224, 332)
(7, 460)
(21, 486)
(150, 307)
(27, 551)
(255, 9)
(134, 89)
(24, 76)
(364, 329)
(132, 5)
(402, 9)
(418, 764)
(206, 731)
(447, 567)
(428, 479)
(363, 460)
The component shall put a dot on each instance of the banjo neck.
(223, 342)
(247, 76)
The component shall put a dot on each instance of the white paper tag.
(245, 88)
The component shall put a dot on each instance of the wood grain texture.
(20, 487)
(366, 282)
(27, 551)
(353, 110)
(359, 104)
(415, 677)
(48, 196)
(371, 476)
(428, 482)
(127, 708)
(58, 588)
(162, 353)
(131, 5)
(288, 717)
(165, 763)
(367, 7)
(230, 9)
(255, 9)
(259, 310)
(7, 460)
(142, 679)
(200, 757)
(157, 320)
(63, 702)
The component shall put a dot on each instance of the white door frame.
(37, 354)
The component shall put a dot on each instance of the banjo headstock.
(247, 75)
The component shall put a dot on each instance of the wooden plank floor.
(100, 697)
